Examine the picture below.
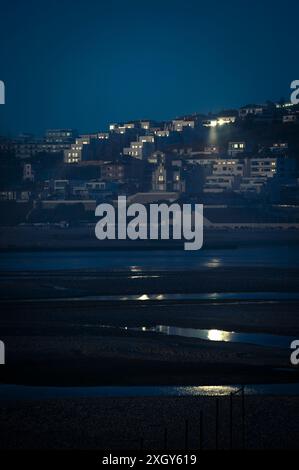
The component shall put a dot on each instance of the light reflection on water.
(213, 263)
(210, 296)
(258, 339)
(27, 392)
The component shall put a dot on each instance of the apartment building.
(113, 172)
(289, 118)
(252, 185)
(279, 147)
(66, 136)
(142, 148)
(79, 151)
(251, 110)
(178, 125)
(232, 167)
(234, 148)
(121, 128)
(263, 167)
(220, 184)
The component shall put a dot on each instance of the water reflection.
(135, 269)
(213, 263)
(219, 335)
(210, 296)
(21, 392)
(143, 297)
(259, 339)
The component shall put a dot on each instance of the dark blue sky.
(84, 64)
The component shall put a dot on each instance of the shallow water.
(24, 392)
(260, 339)
(217, 296)
(139, 260)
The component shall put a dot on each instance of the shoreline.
(48, 238)
(80, 283)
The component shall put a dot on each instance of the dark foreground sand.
(123, 423)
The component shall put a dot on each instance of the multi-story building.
(231, 167)
(220, 184)
(66, 136)
(86, 147)
(142, 148)
(211, 150)
(162, 132)
(103, 135)
(93, 190)
(264, 167)
(121, 128)
(55, 141)
(29, 149)
(289, 118)
(79, 151)
(252, 185)
(113, 171)
(221, 120)
(234, 148)
(251, 110)
(146, 125)
(178, 125)
(279, 147)
(218, 121)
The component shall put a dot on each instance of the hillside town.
(235, 159)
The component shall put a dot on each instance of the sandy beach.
(102, 342)
(96, 327)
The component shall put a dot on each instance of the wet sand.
(65, 343)
(80, 283)
(61, 341)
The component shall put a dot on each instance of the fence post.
(186, 433)
(243, 417)
(231, 420)
(201, 430)
(217, 423)
(165, 438)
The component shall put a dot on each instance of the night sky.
(83, 64)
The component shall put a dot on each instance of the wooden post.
(217, 423)
(231, 420)
(186, 434)
(165, 438)
(201, 430)
(243, 417)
